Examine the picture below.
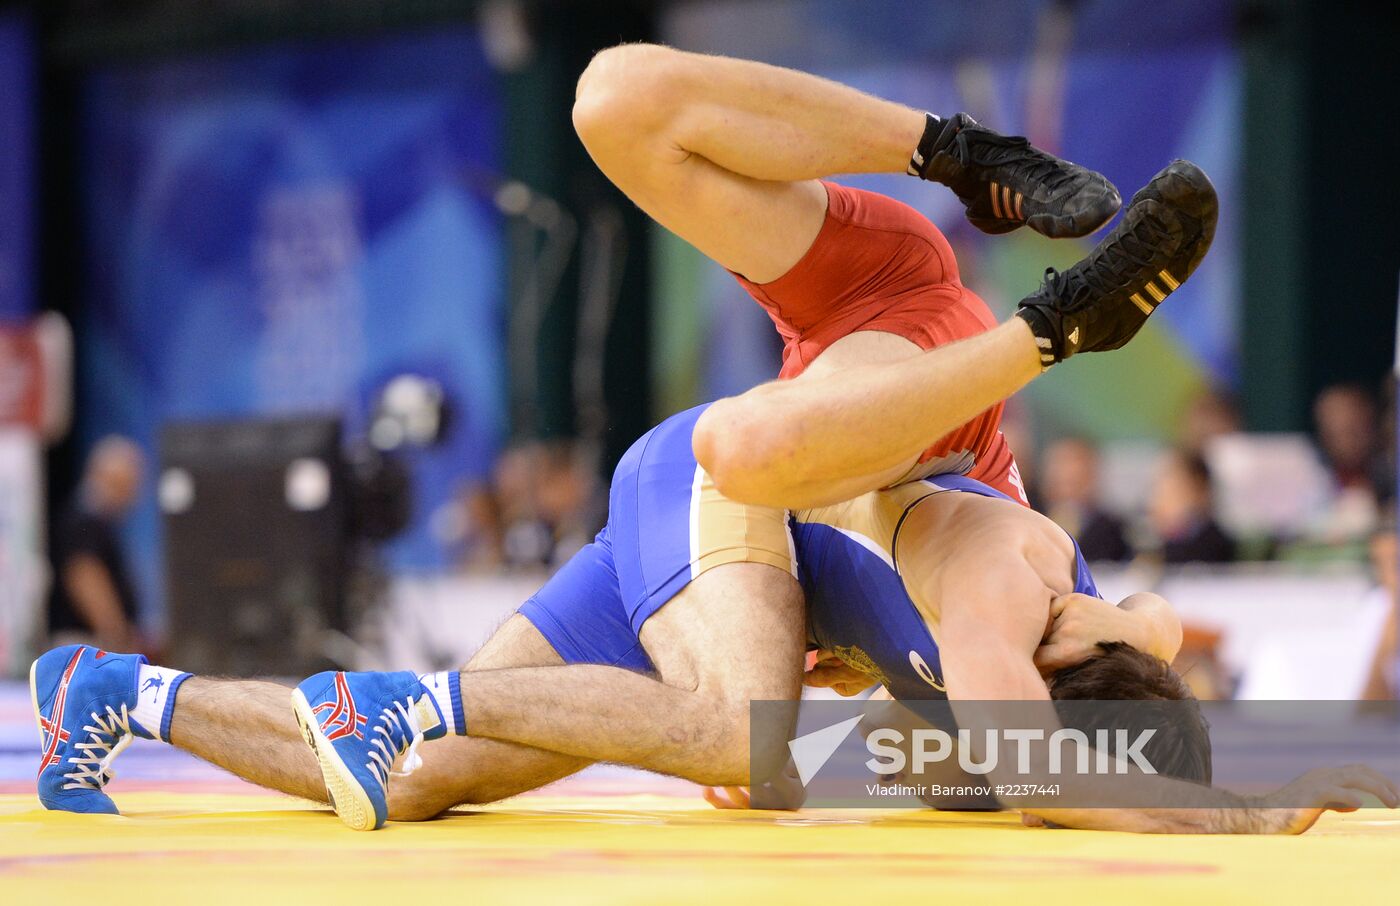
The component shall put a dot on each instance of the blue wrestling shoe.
(83, 698)
(358, 724)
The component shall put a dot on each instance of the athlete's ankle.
(937, 135)
(446, 689)
(1049, 340)
(155, 699)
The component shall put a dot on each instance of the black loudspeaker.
(256, 525)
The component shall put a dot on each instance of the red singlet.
(877, 264)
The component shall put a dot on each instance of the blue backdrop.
(16, 61)
(281, 231)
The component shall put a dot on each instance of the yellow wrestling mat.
(181, 847)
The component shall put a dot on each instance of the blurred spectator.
(1181, 512)
(1384, 682)
(1348, 436)
(1069, 486)
(1346, 419)
(91, 598)
(470, 524)
(566, 489)
(540, 507)
(1209, 415)
(1386, 461)
(525, 539)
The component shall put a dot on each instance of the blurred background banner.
(283, 231)
(1123, 87)
(16, 176)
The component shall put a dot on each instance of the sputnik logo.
(813, 750)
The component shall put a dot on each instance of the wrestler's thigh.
(738, 631)
(755, 227)
(516, 644)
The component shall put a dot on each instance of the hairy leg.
(467, 769)
(246, 727)
(734, 635)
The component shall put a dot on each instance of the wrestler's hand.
(727, 797)
(1078, 624)
(1326, 789)
(1290, 810)
(830, 672)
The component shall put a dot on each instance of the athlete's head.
(1180, 747)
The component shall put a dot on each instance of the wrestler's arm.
(993, 611)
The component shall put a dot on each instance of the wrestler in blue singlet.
(667, 525)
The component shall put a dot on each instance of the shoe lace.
(397, 730)
(1131, 251)
(108, 736)
(1015, 154)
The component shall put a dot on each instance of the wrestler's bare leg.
(858, 423)
(732, 636)
(248, 729)
(725, 154)
(465, 769)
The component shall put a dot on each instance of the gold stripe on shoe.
(1154, 291)
(1141, 303)
(1169, 280)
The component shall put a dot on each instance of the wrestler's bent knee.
(607, 99)
(748, 461)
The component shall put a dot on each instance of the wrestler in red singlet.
(877, 264)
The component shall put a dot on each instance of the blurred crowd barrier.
(436, 623)
(1269, 631)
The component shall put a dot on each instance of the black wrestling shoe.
(1102, 302)
(1005, 182)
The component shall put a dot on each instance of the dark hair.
(1196, 468)
(1181, 745)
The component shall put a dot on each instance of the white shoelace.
(383, 750)
(106, 740)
